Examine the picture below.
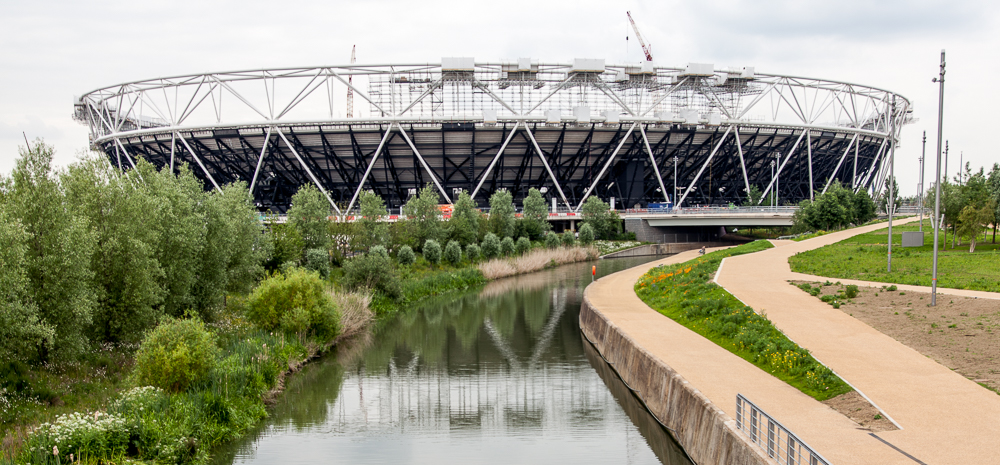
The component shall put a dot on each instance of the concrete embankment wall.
(664, 249)
(706, 433)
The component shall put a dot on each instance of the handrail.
(780, 444)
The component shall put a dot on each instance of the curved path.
(943, 417)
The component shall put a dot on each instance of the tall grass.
(537, 259)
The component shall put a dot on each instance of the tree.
(491, 246)
(863, 207)
(551, 240)
(22, 330)
(371, 229)
(472, 252)
(405, 256)
(523, 245)
(993, 181)
(453, 253)
(423, 217)
(432, 251)
(535, 215)
(974, 220)
(599, 216)
(754, 197)
(507, 246)
(287, 244)
(567, 239)
(501, 220)
(58, 252)
(309, 214)
(586, 234)
(883, 197)
(464, 223)
(127, 276)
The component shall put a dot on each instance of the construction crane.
(350, 88)
(645, 48)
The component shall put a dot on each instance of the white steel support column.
(652, 159)
(309, 171)
(809, 153)
(263, 151)
(495, 159)
(743, 163)
(782, 165)
(129, 157)
(547, 168)
(839, 163)
(705, 165)
(606, 165)
(364, 178)
(173, 138)
(423, 162)
(872, 171)
(195, 156)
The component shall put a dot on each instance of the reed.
(535, 260)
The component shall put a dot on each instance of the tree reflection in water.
(498, 375)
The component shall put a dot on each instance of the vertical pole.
(777, 180)
(920, 192)
(675, 181)
(890, 203)
(937, 182)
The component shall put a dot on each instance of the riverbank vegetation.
(144, 317)
(685, 293)
(863, 257)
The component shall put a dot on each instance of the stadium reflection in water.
(500, 375)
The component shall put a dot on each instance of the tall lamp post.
(890, 204)
(777, 178)
(772, 182)
(937, 182)
(920, 190)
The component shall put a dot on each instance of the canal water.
(499, 375)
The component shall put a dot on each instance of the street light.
(675, 182)
(920, 190)
(772, 182)
(777, 178)
(937, 182)
(891, 204)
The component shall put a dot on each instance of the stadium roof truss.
(582, 128)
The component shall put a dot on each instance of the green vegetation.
(606, 247)
(837, 208)
(295, 303)
(685, 294)
(598, 214)
(175, 355)
(864, 257)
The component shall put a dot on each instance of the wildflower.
(55, 450)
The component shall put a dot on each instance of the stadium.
(643, 134)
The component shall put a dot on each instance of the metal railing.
(780, 444)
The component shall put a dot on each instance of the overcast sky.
(52, 51)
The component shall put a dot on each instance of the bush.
(851, 291)
(432, 251)
(175, 355)
(406, 255)
(319, 261)
(551, 240)
(380, 251)
(296, 303)
(567, 239)
(523, 245)
(507, 246)
(586, 234)
(373, 271)
(472, 252)
(491, 246)
(453, 253)
(891, 288)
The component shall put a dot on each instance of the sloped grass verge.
(685, 294)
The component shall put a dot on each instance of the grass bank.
(685, 294)
(535, 260)
(863, 257)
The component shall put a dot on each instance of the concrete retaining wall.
(706, 433)
(664, 249)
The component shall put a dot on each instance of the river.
(499, 375)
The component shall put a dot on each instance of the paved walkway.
(944, 417)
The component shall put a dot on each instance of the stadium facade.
(639, 133)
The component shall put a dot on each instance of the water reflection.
(494, 376)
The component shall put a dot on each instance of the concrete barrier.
(706, 433)
(665, 249)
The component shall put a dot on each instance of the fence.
(779, 443)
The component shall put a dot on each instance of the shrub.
(453, 253)
(507, 246)
(586, 234)
(373, 271)
(432, 251)
(567, 239)
(523, 245)
(472, 252)
(551, 240)
(319, 261)
(851, 291)
(891, 288)
(295, 303)
(491, 246)
(175, 355)
(406, 255)
(380, 251)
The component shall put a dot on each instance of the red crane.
(350, 90)
(645, 48)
